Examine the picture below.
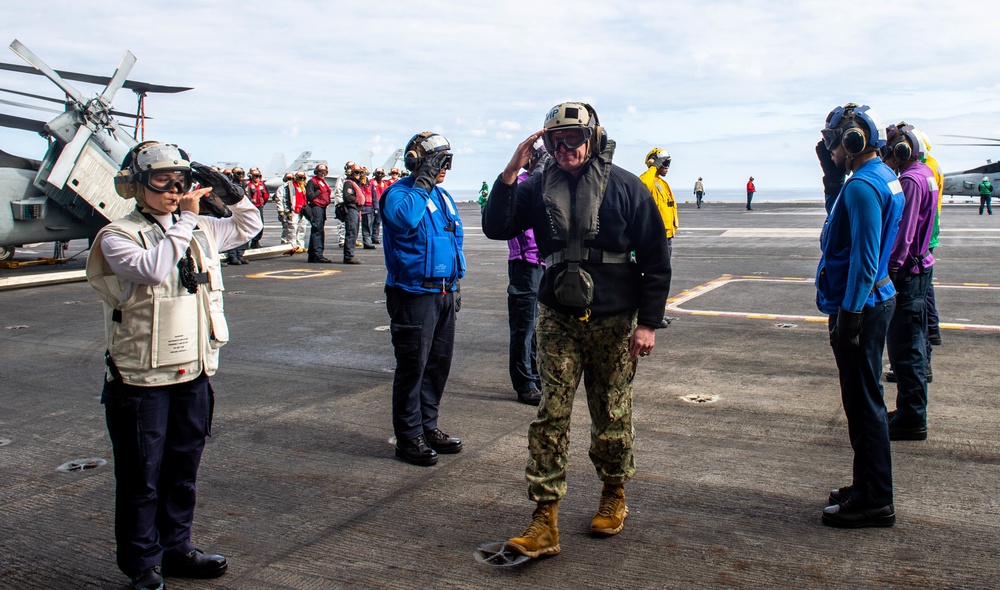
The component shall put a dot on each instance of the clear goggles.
(571, 137)
(164, 181)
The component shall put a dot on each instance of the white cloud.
(725, 85)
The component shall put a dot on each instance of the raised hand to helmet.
(226, 190)
(833, 176)
(522, 155)
(429, 170)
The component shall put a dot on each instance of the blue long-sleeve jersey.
(857, 239)
(422, 238)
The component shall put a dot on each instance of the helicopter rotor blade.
(121, 74)
(975, 144)
(994, 139)
(67, 158)
(134, 85)
(42, 67)
(22, 123)
(38, 96)
(28, 106)
(62, 101)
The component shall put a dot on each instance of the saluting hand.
(520, 159)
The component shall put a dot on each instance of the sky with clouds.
(729, 88)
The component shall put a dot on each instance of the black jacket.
(628, 221)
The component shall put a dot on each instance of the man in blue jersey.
(422, 240)
(854, 289)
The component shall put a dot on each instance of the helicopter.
(68, 194)
(966, 182)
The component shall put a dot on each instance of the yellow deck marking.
(675, 303)
(293, 274)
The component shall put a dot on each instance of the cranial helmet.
(924, 138)
(288, 176)
(986, 178)
(657, 158)
(859, 128)
(575, 115)
(379, 172)
(903, 143)
(321, 168)
(238, 173)
(255, 172)
(348, 166)
(420, 146)
(145, 159)
(300, 174)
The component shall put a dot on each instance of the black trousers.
(317, 237)
(157, 436)
(423, 338)
(864, 405)
(522, 311)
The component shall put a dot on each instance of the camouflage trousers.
(597, 350)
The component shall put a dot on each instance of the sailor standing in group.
(911, 267)
(423, 238)
(854, 290)
(598, 307)
(157, 270)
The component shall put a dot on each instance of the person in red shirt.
(299, 211)
(318, 196)
(379, 184)
(354, 199)
(751, 189)
(258, 195)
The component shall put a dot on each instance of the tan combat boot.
(611, 513)
(542, 535)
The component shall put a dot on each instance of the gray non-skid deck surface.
(299, 487)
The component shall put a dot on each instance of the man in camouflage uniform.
(598, 306)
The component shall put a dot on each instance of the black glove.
(847, 331)
(833, 177)
(428, 171)
(226, 190)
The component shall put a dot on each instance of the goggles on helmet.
(571, 137)
(831, 138)
(662, 161)
(164, 181)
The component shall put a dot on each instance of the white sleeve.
(238, 229)
(338, 190)
(132, 262)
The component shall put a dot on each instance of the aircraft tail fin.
(300, 163)
(277, 165)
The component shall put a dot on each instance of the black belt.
(437, 285)
(591, 255)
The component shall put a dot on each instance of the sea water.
(722, 195)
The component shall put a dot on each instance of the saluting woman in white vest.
(158, 272)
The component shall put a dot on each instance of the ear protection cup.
(411, 160)
(854, 140)
(901, 150)
(600, 139)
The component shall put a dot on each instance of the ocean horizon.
(722, 195)
(734, 195)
